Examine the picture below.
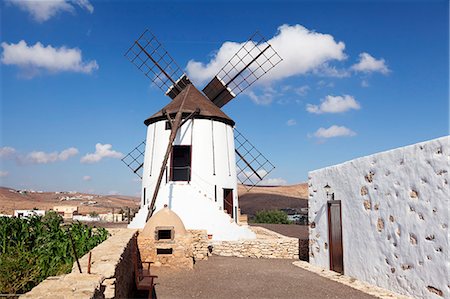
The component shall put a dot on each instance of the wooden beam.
(173, 133)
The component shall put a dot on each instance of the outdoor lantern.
(328, 189)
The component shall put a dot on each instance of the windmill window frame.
(181, 173)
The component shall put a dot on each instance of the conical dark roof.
(194, 100)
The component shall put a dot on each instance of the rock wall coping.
(111, 276)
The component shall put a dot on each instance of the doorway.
(228, 201)
(335, 236)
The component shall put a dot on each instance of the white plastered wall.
(212, 164)
(395, 217)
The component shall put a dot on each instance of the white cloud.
(302, 51)
(43, 10)
(273, 182)
(7, 152)
(334, 104)
(302, 90)
(262, 98)
(39, 157)
(3, 174)
(291, 122)
(322, 84)
(38, 57)
(101, 151)
(368, 64)
(334, 131)
(87, 178)
(365, 83)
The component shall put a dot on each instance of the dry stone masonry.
(395, 217)
(111, 273)
(268, 244)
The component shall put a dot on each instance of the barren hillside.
(298, 190)
(272, 198)
(11, 200)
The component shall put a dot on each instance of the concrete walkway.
(230, 277)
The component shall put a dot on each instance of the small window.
(164, 250)
(180, 169)
(164, 234)
(168, 125)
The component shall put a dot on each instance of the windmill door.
(228, 201)
(335, 236)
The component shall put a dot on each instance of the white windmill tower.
(193, 155)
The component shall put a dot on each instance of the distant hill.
(273, 198)
(257, 199)
(11, 199)
(297, 190)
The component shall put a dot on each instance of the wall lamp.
(328, 190)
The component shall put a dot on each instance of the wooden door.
(228, 201)
(335, 236)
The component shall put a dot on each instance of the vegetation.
(273, 216)
(34, 248)
(93, 214)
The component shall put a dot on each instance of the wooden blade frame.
(150, 57)
(135, 159)
(254, 59)
(252, 166)
(176, 124)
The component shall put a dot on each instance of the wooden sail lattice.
(251, 165)
(150, 57)
(135, 159)
(253, 60)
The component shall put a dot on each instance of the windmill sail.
(135, 159)
(254, 59)
(252, 167)
(150, 57)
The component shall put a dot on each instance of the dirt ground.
(230, 277)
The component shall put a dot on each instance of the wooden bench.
(144, 280)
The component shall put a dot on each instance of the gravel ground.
(230, 277)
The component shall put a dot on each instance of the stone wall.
(199, 244)
(180, 246)
(111, 273)
(395, 217)
(267, 244)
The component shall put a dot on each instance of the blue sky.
(357, 78)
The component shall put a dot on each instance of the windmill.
(193, 155)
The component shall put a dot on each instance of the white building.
(200, 182)
(28, 213)
(385, 219)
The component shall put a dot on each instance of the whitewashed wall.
(213, 164)
(395, 217)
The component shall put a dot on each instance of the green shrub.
(34, 248)
(273, 216)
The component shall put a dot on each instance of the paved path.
(230, 277)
